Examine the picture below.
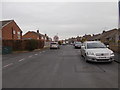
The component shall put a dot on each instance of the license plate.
(102, 57)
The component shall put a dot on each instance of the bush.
(59, 42)
(32, 45)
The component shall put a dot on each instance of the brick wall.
(30, 35)
(10, 31)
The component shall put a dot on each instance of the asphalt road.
(62, 68)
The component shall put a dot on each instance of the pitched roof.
(4, 23)
(97, 36)
(34, 33)
(108, 34)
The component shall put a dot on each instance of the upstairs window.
(13, 31)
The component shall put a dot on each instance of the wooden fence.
(19, 45)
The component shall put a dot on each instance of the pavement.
(56, 68)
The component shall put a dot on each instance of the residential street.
(57, 68)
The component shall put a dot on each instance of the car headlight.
(112, 54)
(90, 53)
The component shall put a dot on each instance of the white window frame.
(14, 31)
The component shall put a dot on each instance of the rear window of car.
(78, 43)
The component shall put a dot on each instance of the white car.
(96, 51)
(54, 45)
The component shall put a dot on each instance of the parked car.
(77, 44)
(96, 51)
(54, 45)
(63, 43)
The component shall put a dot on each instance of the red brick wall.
(31, 35)
(7, 31)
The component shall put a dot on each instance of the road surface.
(61, 68)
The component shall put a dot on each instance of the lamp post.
(119, 14)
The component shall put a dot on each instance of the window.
(13, 31)
(108, 39)
(42, 38)
(18, 36)
(37, 37)
(18, 33)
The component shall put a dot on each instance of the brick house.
(87, 37)
(10, 30)
(109, 36)
(96, 37)
(34, 35)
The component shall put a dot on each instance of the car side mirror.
(82, 47)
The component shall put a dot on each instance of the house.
(109, 36)
(10, 30)
(72, 40)
(79, 38)
(34, 35)
(95, 37)
(87, 37)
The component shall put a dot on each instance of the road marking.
(43, 51)
(21, 60)
(39, 52)
(36, 54)
(8, 65)
(30, 56)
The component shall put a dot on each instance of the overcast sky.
(68, 19)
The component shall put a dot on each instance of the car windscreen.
(95, 45)
(78, 43)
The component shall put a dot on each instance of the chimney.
(37, 31)
(45, 34)
(103, 31)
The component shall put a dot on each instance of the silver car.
(54, 45)
(96, 51)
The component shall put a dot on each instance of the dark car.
(77, 44)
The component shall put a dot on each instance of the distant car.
(54, 45)
(77, 44)
(96, 51)
(63, 43)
